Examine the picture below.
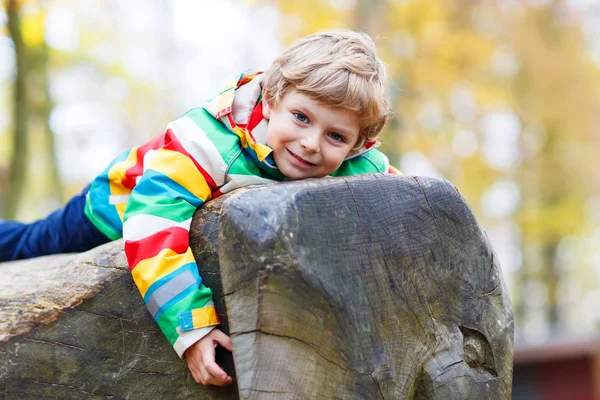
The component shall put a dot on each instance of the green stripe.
(371, 162)
(165, 207)
(242, 166)
(169, 320)
(99, 223)
(225, 141)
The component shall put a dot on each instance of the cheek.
(337, 157)
(273, 136)
(281, 132)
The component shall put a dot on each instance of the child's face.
(309, 139)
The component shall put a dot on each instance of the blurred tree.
(556, 90)
(42, 106)
(21, 112)
(32, 108)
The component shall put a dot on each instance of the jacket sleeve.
(176, 181)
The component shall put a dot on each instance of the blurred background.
(501, 97)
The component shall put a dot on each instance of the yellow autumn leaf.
(33, 28)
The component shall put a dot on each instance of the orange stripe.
(206, 316)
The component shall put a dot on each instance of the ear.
(266, 109)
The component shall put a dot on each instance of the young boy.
(315, 112)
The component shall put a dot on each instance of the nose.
(311, 141)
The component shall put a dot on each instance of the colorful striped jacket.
(149, 194)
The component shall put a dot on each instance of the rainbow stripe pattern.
(149, 194)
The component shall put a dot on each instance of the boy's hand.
(201, 359)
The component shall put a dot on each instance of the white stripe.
(245, 100)
(200, 147)
(260, 132)
(118, 198)
(386, 162)
(148, 157)
(141, 226)
(238, 181)
(188, 338)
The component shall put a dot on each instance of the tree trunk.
(364, 287)
(57, 188)
(18, 162)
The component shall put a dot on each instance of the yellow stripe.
(225, 100)
(182, 170)
(116, 173)
(261, 150)
(206, 316)
(121, 209)
(396, 170)
(148, 271)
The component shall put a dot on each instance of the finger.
(216, 372)
(205, 377)
(223, 340)
(218, 381)
(193, 365)
(208, 362)
(217, 375)
(198, 378)
(196, 374)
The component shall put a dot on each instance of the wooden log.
(75, 327)
(369, 287)
(363, 287)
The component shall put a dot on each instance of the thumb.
(222, 339)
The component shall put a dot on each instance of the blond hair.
(339, 68)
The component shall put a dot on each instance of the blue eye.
(301, 117)
(337, 137)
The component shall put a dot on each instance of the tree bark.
(18, 162)
(365, 287)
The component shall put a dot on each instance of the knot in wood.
(474, 351)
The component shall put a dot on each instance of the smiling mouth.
(302, 160)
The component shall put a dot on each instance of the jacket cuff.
(186, 339)
(198, 318)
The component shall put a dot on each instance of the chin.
(295, 176)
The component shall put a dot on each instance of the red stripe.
(256, 116)
(370, 143)
(172, 143)
(174, 238)
(133, 172)
(392, 170)
(247, 78)
(233, 124)
(224, 111)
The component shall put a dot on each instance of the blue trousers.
(66, 230)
